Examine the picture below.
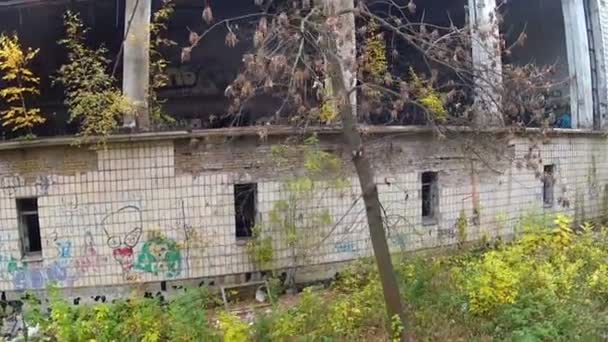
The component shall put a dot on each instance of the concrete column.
(598, 17)
(579, 64)
(136, 61)
(487, 63)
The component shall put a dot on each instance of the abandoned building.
(180, 206)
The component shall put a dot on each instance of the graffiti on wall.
(10, 184)
(345, 247)
(160, 256)
(89, 259)
(43, 184)
(401, 233)
(28, 276)
(123, 244)
(68, 260)
(8, 266)
(196, 80)
(446, 233)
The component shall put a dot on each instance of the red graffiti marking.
(124, 257)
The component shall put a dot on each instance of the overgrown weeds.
(551, 284)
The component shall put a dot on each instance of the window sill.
(429, 221)
(32, 258)
(242, 241)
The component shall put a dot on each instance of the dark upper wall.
(41, 26)
(543, 23)
(196, 88)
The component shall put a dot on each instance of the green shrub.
(545, 286)
(551, 284)
(137, 319)
(233, 328)
(188, 319)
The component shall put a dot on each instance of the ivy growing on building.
(287, 229)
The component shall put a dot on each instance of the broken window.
(535, 39)
(548, 182)
(410, 60)
(29, 226)
(429, 196)
(195, 94)
(245, 209)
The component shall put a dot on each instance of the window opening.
(429, 195)
(245, 209)
(548, 182)
(29, 226)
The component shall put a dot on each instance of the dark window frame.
(548, 185)
(429, 196)
(29, 226)
(245, 209)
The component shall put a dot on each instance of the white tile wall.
(194, 214)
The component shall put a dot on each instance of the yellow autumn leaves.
(21, 84)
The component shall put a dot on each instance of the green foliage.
(318, 162)
(374, 61)
(541, 286)
(302, 320)
(233, 328)
(91, 94)
(534, 220)
(397, 328)
(347, 312)
(188, 319)
(328, 112)
(462, 225)
(158, 62)
(183, 319)
(275, 288)
(21, 84)
(428, 97)
(260, 249)
(293, 217)
(551, 284)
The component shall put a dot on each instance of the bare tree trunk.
(341, 57)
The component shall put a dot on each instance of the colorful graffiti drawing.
(122, 245)
(8, 266)
(89, 259)
(123, 250)
(27, 277)
(160, 255)
(64, 249)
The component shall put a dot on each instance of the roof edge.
(266, 131)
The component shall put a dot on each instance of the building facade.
(151, 209)
(161, 210)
